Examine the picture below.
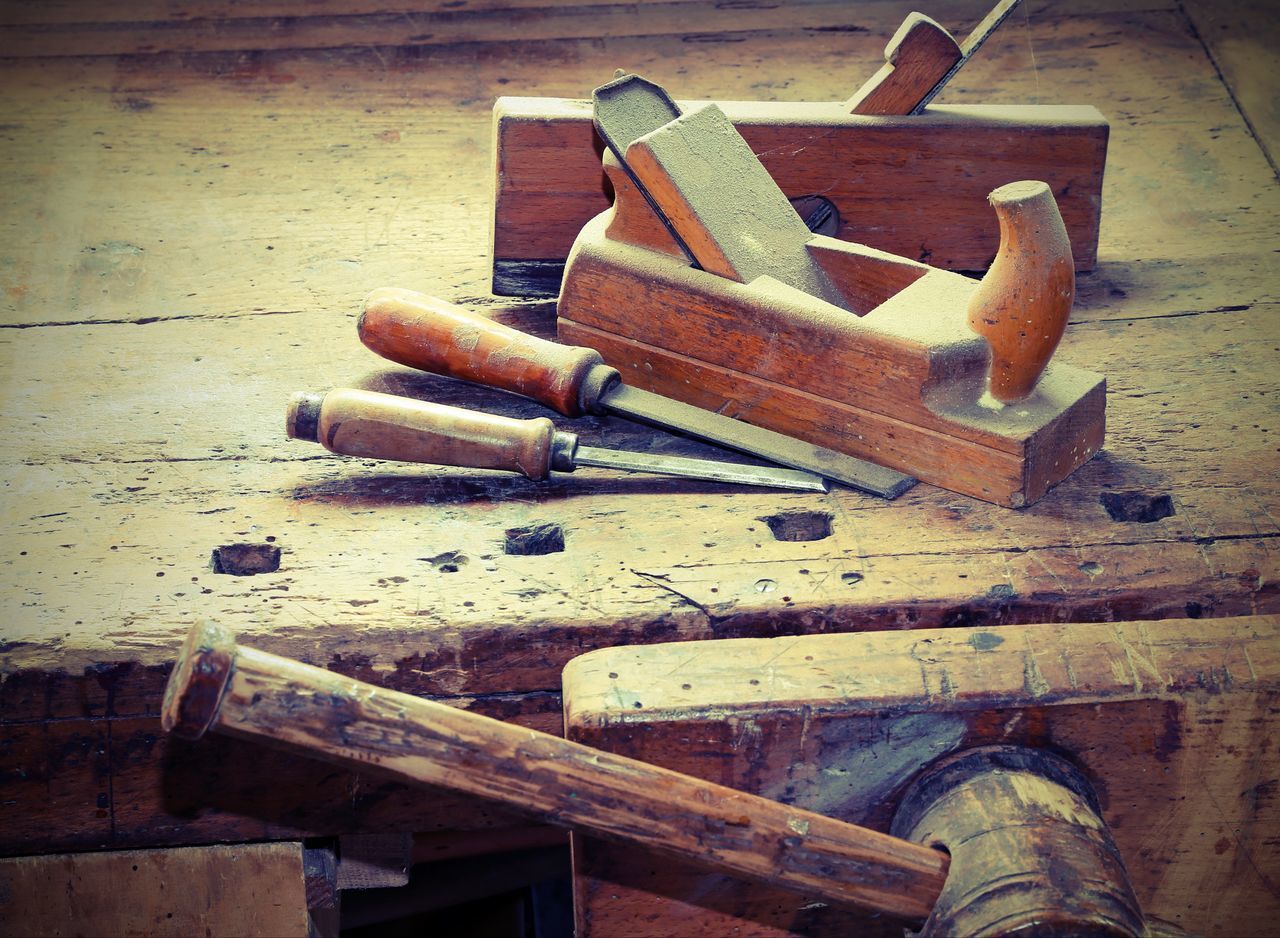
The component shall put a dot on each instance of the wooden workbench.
(194, 211)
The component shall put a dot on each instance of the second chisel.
(382, 426)
(433, 335)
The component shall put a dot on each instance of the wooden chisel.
(351, 422)
(433, 335)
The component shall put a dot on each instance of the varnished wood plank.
(247, 889)
(1165, 717)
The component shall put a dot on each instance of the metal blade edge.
(748, 438)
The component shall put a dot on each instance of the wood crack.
(1181, 314)
(1199, 539)
(148, 320)
(661, 582)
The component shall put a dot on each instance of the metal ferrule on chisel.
(564, 451)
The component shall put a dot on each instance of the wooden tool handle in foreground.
(383, 426)
(433, 335)
(216, 684)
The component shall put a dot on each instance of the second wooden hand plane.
(352, 422)
(433, 335)
(878, 168)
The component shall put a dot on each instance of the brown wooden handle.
(383, 426)
(1023, 303)
(919, 55)
(218, 685)
(434, 335)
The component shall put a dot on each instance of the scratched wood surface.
(1171, 722)
(187, 238)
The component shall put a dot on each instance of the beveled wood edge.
(199, 679)
(858, 674)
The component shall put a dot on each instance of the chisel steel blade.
(768, 476)
(757, 441)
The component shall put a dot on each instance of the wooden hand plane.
(702, 284)
(878, 167)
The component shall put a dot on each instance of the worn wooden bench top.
(187, 237)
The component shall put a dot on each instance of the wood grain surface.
(188, 238)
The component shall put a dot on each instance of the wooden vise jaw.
(882, 357)
(1169, 724)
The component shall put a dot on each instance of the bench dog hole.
(245, 559)
(534, 540)
(799, 525)
(1142, 507)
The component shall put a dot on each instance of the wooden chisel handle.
(383, 426)
(433, 335)
(219, 685)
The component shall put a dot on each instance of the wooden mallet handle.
(218, 685)
(383, 426)
(433, 335)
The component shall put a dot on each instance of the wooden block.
(1170, 720)
(913, 186)
(240, 890)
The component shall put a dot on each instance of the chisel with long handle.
(382, 426)
(433, 335)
